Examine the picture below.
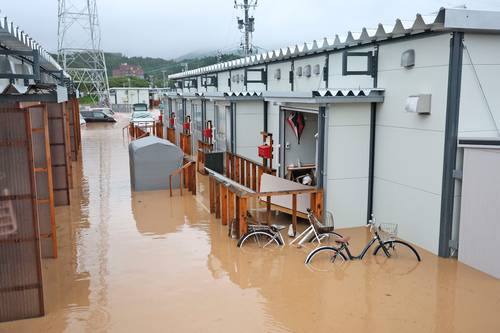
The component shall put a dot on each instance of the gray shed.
(152, 160)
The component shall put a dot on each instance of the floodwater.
(146, 262)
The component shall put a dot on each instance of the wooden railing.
(135, 132)
(203, 148)
(185, 143)
(244, 171)
(187, 177)
(229, 200)
(171, 135)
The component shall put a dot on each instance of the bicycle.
(264, 235)
(389, 246)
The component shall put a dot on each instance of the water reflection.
(132, 262)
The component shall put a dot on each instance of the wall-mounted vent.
(307, 71)
(420, 104)
(408, 58)
(317, 69)
(277, 74)
(298, 71)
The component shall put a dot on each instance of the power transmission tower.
(246, 24)
(79, 48)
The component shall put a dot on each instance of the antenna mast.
(246, 24)
(79, 48)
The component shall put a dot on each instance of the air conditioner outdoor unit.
(277, 74)
(317, 69)
(307, 71)
(298, 71)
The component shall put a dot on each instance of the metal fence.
(121, 108)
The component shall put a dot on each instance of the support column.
(450, 142)
(320, 165)
(371, 160)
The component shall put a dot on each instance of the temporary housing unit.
(129, 95)
(380, 110)
(123, 98)
(152, 160)
(34, 144)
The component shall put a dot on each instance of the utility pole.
(247, 24)
(79, 48)
(164, 78)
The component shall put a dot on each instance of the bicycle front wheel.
(323, 254)
(397, 249)
(260, 238)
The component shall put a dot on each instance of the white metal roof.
(13, 38)
(445, 20)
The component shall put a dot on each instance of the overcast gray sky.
(167, 28)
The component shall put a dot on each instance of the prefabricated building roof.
(446, 19)
(151, 140)
(14, 39)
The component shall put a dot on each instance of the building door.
(229, 128)
(220, 123)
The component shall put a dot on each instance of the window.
(357, 63)
(180, 112)
(99, 115)
(196, 112)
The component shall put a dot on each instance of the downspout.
(450, 143)
(371, 160)
(203, 113)
(373, 127)
(265, 115)
(321, 174)
(233, 128)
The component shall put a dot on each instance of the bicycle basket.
(389, 230)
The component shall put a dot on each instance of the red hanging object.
(265, 151)
(186, 125)
(160, 118)
(207, 133)
(297, 123)
(171, 122)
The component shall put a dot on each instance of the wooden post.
(247, 174)
(181, 177)
(212, 193)
(294, 213)
(254, 177)
(242, 216)
(187, 179)
(217, 200)
(242, 172)
(319, 205)
(259, 175)
(192, 175)
(237, 169)
(223, 199)
(312, 198)
(228, 165)
(268, 210)
(170, 184)
(230, 205)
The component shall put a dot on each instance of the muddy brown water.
(146, 262)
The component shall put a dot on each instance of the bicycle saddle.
(344, 239)
(277, 227)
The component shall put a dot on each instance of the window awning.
(328, 96)
(235, 96)
(36, 93)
